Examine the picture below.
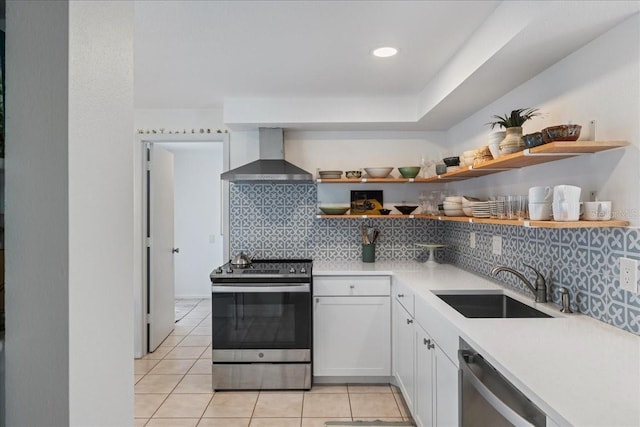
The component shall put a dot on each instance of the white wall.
(599, 82)
(198, 233)
(69, 228)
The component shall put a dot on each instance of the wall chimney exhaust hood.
(271, 167)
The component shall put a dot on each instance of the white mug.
(566, 211)
(539, 211)
(597, 211)
(566, 194)
(540, 194)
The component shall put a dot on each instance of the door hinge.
(148, 242)
(148, 318)
(148, 165)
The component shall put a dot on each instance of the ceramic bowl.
(353, 174)
(533, 139)
(441, 169)
(334, 209)
(451, 161)
(405, 209)
(330, 174)
(384, 211)
(409, 171)
(378, 172)
(561, 133)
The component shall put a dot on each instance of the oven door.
(264, 323)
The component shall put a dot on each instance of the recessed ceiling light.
(385, 52)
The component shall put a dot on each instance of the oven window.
(278, 320)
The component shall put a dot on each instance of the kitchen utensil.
(330, 174)
(334, 210)
(566, 203)
(451, 161)
(409, 171)
(540, 194)
(241, 260)
(597, 211)
(569, 132)
(405, 209)
(381, 172)
(533, 139)
(441, 169)
(369, 252)
(540, 211)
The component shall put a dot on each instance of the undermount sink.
(490, 306)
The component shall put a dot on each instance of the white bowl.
(454, 212)
(468, 211)
(452, 205)
(454, 199)
(378, 172)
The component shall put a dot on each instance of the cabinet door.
(404, 352)
(446, 389)
(425, 377)
(351, 336)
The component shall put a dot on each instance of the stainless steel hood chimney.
(271, 166)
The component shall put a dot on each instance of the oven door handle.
(261, 288)
(492, 398)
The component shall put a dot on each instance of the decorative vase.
(495, 139)
(512, 142)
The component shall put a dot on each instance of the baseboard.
(353, 380)
(206, 296)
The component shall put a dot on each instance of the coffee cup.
(597, 211)
(540, 194)
(540, 211)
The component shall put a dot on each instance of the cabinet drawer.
(351, 285)
(404, 295)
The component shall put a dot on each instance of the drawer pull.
(409, 321)
(352, 286)
(400, 295)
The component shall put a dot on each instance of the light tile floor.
(173, 388)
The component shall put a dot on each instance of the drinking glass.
(523, 207)
(501, 210)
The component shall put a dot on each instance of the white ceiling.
(307, 64)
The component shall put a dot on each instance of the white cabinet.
(425, 379)
(436, 393)
(351, 326)
(404, 351)
(446, 390)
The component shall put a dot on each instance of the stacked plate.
(481, 210)
(453, 206)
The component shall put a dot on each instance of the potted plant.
(512, 123)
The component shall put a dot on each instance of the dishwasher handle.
(493, 399)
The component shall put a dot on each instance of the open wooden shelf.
(473, 220)
(531, 156)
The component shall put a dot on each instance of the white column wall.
(68, 219)
(101, 144)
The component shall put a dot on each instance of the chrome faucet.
(540, 288)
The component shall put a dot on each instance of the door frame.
(141, 220)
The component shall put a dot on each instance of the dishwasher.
(488, 399)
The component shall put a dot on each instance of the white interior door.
(161, 290)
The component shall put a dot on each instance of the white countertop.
(578, 370)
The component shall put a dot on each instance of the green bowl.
(409, 171)
(334, 210)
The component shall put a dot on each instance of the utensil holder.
(369, 253)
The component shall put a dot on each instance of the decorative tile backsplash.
(279, 221)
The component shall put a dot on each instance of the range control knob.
(292, 270)
(219, 270)
(229, 270)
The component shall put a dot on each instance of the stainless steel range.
(261, 317)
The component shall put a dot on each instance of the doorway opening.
(184, 237)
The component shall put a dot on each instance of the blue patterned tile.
(616, 240)
(632, 241)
